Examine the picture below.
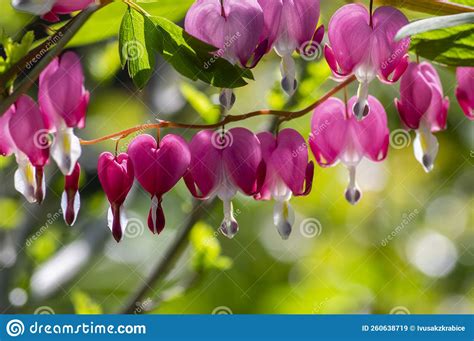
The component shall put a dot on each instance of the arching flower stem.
(283, 115)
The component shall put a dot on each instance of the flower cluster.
(35, 132)
(245, 30)
(220, 163)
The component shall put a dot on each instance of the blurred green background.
(407, 247)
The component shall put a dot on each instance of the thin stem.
(371, 11)
(284, 116)
(65, 34)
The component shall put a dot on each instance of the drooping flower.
(464, 91)
(232, 26)
(365, 46)
(287, 173)
(336, 135)
(116, 176)
(158, 168)
(223, 163)
(29, 133)
(70, 200)
(291, 25)
(423, 108)
(50, 9)
(63, 98)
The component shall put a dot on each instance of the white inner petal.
(66, 150)
(425, 146)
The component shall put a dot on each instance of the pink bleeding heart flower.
(291, 25)
(423, 108)
(70, 200)
(336, 135)
(222, 163)
(116, 176)
(232, 26)
(63, 99)
(288, 173)
(464, 91)
(158, 169)
(364, 45)
(50, 9)
(29, 133)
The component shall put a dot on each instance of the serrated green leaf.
(201, 103)
(138, 40)
(451, 46)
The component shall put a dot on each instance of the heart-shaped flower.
(287, 173)
(364, 45)
(116, 177)
(234, 27)
(222, 163)
(423, 108)
(158, 169)
(28, 131)
(291, 25)
(63, 100)
(336, 135)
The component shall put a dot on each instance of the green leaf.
(450, 46)
(84, 305)
(431, 24)
(194, 60)
(14, 52)
(435, 7)
(200, 102)
(138, 40)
